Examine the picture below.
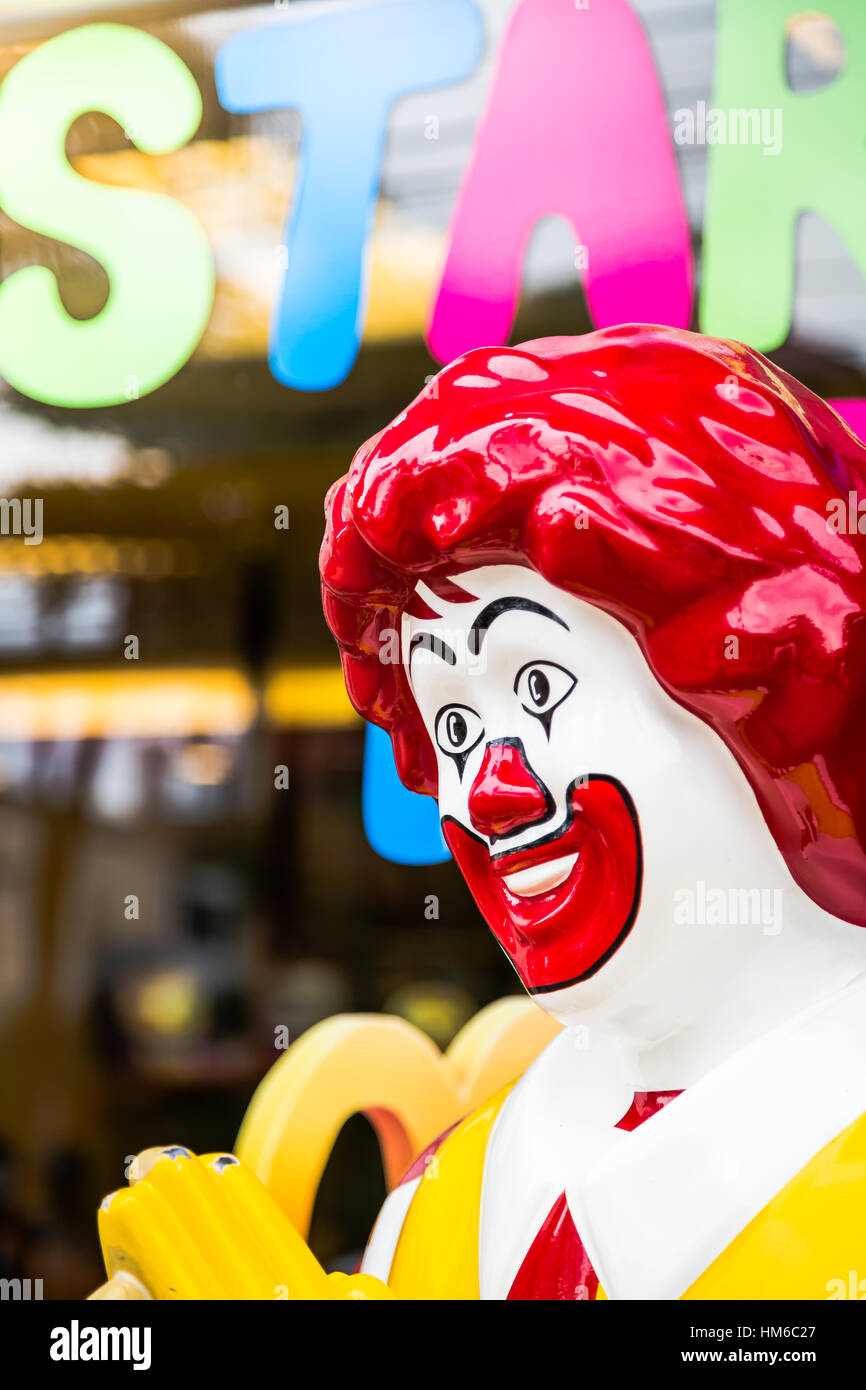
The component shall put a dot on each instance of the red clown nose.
(506, 794)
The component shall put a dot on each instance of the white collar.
(653, 1213)
(565, 1105)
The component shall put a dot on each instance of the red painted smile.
(560, 907)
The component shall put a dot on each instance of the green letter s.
(154, 251)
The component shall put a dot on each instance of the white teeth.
(540, 878)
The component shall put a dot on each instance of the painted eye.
(458, 729)
(542, 685)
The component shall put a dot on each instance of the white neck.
(814, 957)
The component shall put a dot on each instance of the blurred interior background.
(164, 909)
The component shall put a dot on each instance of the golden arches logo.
(388, 1070)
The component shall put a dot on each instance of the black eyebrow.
(488, 615)
(426, 641)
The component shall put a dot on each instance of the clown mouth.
(540, 878)
(562, 906)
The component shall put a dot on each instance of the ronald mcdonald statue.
(606, 597)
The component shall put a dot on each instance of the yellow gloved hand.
(206, 1228)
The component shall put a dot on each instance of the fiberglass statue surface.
(606, 596)
(597, 591)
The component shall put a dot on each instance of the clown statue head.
(594, 589)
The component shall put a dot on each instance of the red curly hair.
(679, 482)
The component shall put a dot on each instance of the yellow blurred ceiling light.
(205, 764)
(153, 558)
(169, 1002)
(309, 697)
(165, 703)
(48, 705)
(437, 1007)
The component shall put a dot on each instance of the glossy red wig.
(683, 484)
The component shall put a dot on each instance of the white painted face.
(608, 836)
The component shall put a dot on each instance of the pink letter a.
(576, 126)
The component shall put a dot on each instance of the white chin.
(541, 878)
